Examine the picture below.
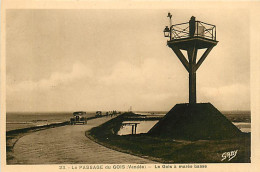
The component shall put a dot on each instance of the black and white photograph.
(129, 88)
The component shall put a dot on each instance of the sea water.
(18, 120)
(142, 127)
(243, 125)
(145, 126)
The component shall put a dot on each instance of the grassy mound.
(167, 150)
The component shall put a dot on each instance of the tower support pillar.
(192, 55)
(192, 88)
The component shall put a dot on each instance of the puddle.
(142, 127)
(145, 126)
(243, 126)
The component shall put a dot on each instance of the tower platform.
(201, 121)
(197, 41)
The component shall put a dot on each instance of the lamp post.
(166, 31)
(170, 18)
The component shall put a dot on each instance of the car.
(98, 114)
(78, 118)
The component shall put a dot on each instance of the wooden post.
(192, 88)
(192, 54)
(132, 129)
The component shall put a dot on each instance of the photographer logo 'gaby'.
(229, 155)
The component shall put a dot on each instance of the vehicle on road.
(98, 113)
(78, 118)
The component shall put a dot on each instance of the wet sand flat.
(67, 145)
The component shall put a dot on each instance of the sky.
(71, 60)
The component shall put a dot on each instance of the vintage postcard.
(129, 85)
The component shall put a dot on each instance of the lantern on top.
(166, 32)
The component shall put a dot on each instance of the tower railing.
(202, 29)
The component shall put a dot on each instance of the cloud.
(150, 85)
(235, 90)
(153, 80)
(229, 97)
(57, 79)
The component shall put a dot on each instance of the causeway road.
(68, 145)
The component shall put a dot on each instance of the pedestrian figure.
(192, 26)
